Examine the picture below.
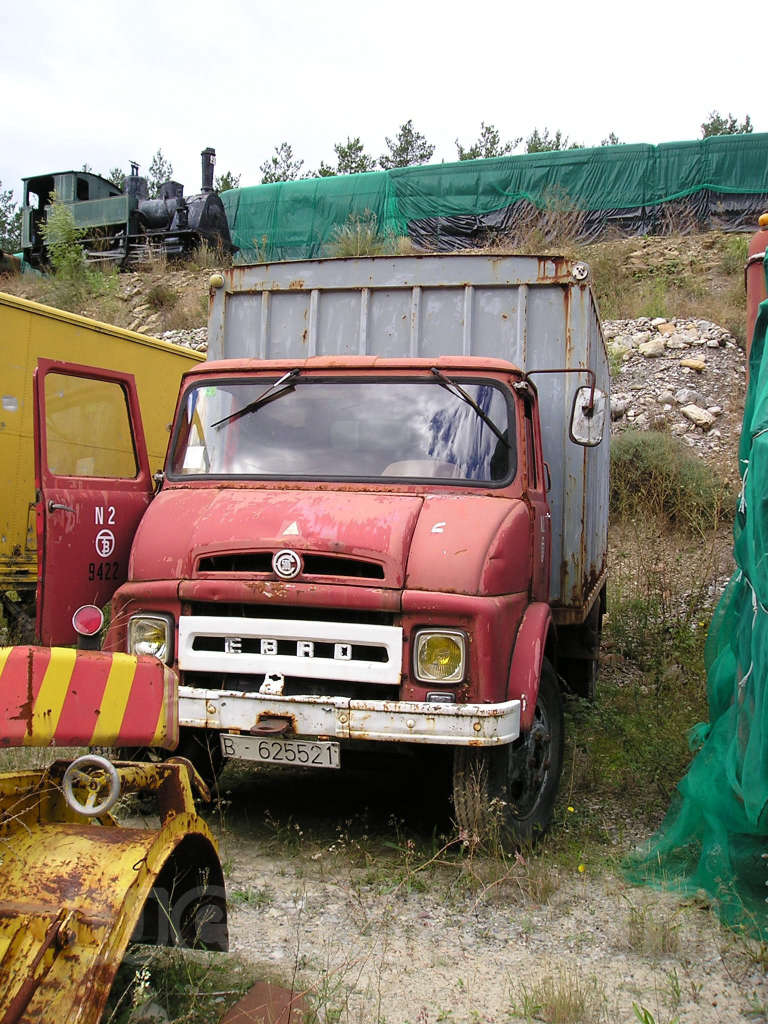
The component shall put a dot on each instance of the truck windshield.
(349, 429)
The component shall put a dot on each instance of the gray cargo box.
(537, 312)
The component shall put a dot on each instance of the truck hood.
(358, 537)
(469, 543)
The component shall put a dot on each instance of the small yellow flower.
(570, 809)
(582, 869)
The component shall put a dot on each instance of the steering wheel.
(93, 773)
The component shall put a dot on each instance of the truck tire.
(508, 793)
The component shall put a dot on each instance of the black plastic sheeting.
(704, 210)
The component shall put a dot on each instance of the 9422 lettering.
(103, 570)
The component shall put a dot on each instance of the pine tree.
(716, 124)
(281, 166)
(488, 144)
(160, 171)
(10, 222)
(543, 142)
(409, 147)
(226, 181)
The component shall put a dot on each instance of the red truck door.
(93, 485)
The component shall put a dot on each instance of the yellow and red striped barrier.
(55, 696)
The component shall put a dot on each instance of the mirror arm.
(589, 408)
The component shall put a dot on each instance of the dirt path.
(375, 932)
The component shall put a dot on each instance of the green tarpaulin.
(717, 182)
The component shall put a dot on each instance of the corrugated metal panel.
(526, 309)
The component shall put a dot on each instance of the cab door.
(93, 484)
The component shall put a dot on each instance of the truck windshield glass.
(345, 430)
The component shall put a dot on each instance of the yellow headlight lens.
(149, 635)
(440, 657)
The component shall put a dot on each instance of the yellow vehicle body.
(76, 887)
(29, 331)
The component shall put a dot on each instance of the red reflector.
(88, 620)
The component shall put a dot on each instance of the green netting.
(297, 219)
(608, 177)
(715, 835)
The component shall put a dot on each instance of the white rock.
(651, 349)
(620, 345)
(658, 320)
(698, 416)
(665, 397)
(640, 338)
(618, 407)
(687, 396)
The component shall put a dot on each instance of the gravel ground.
(377, 934)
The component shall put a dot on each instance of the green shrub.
(73, 283)
(62, 239)
(360, 235)
(160, 295)
(735, 249)
(654, 474)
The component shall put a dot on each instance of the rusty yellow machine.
(76, 887)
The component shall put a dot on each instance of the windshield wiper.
(457, 389)
(280, 387)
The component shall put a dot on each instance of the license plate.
(310, 753)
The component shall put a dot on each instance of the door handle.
(55, 507)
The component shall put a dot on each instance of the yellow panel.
(30, 331)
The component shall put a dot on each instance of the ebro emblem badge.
(286, 564)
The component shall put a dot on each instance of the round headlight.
(149, 635)
(440, 657)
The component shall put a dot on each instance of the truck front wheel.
(509, 792)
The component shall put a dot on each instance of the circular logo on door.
(105, 543)
(286, 564)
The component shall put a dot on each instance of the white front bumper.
(480, 725)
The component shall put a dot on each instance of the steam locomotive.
(125, 226)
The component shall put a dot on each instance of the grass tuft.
(653, 931)
(566, 997)
(360, 235)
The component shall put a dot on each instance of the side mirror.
(588, 417)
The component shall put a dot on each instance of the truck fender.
(527, 656)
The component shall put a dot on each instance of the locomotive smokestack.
(209, 159)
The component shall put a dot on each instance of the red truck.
(382, 518)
